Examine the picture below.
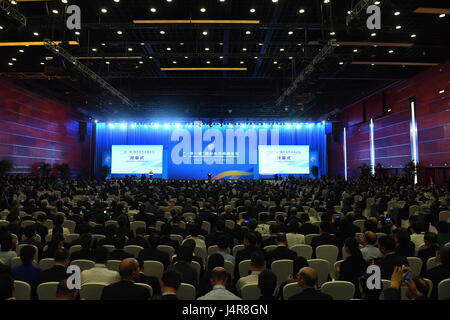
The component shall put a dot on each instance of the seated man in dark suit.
(246, 253)
(152, 252)
(390, 259)
(118, 253)
(325, 237)
(440, 272)
(110, 232)
(58, 271)
(142, 215)
(281, 252)
(86, 248)
(170, 282)
(307, 280)
(176, 228)
(273, 229)
(307, 227)
(126, 289)
(150, 280)
(430, 250)
(166, 230)
(183, 265)
(267, 283)
(139, 240)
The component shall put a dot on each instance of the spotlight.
(166, 126)
(156, 125)
(177, 125)
(111, 125)
(123, 125)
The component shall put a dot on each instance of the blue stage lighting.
(254, 126)
(123, 125)
(111, 125)
(310, 125)
(133, 125)
(166, 126)
(276, 125)
(231, 125)
(265, 125)
(177, 125)
(156, 125)
(298, 125)
(288, 125)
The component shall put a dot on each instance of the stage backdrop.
(227, 152)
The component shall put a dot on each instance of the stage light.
(372, 146)
(310, 125)
(276, 125)
(123, 125)
(111, 125)
(156, 125)
(345, 153)
(298, 125)
(265, 125)
(231, 126)
(166, 126)
(133, 125)
(177, 125)
(254, 126)
(145, 125)
(288, 125)
(96, 121)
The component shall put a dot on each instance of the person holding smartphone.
(416, 287)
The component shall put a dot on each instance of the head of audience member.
(222, 243)
(416, 227)
(267, 283)
(366, 293)
(299, 263)
(195, 230)
(129, 269)
(307, 278)
(101, 255)
(274, 229)
(281, 240)
(258, 261)
(29, 231)
(86, 241)
(122, 220)
(119, 241)
(252, 225)
(370, 237)
(6, 242)
(443, 256)
(325, 227)
(64, 293)
(215, 260)
(166, 230)
(402, 237)
(430, 239)
(41, 218)
(62, 257)
(293, 226)
(6, 286)
(153, 240)
(110, 230)
(57, 241)
(228, 208)
(249, 239)
(304, 218)
(218, 277)
(170, 281)
(370, 225)
(386, 245)
(220, 225)
(140, 232)
(27, 254)
(351, 246)
(185, 253)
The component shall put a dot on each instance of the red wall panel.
(36, 129)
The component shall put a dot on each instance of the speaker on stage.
(82, 130)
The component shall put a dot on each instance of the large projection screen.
(136, 159)
(283, 159)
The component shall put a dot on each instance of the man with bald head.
(126, 289)
(370, 252)
(307, 280)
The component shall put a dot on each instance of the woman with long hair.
(354, 266)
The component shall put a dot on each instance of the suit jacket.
(388, 263)
(166, 241)
(281, 252)
(169, 297)
(188, 272)
(151, 281)
(119, 254)
(138, 241)
(323, 239)
(311, 294)
(178, 230)
(244, 254)
(155, 255)
(436, 275)
(56, 273)
(425, 254)
(125, 290)
(408, 250)
(308, 228)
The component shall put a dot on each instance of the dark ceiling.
(274, 51)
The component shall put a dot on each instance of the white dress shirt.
(219, 293)
(99, 273)
(250, 279)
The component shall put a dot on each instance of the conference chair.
(177, 237)
(113, 222)
(73, 249)
(20, 246)
(229, 268)
(291, 289)
(133, 250)
(206, 225)
(270, 248)
(431, 263)
(169, 249)
(416, 265)
(71, 237)
(381, 234)
(4, 223)
(186, 292)
(337, 273)
(282, 269)
(309, 237)
(83, 264)
(237, 248)
(159, 224)
(46, 263)
(339, 290)
(444, 216)
(137, 224)
(27, 223)
(303, 250)
(16, 261)
(14, 238)
(447, 244)
(22, 290)
(48, 238)
(250, 292)
(444, 290)
(69, 224)
(244, 268)
(113, 265)
(47, 290)
(200, 252)
(98, 237)
(153, 268)
(360, 224)
(189, 216)
(322, 268)
(92, 291)
(230, 224)
(316, 223)
(146, 286)
(386, 284)
(49, 224)
(328, 252)
(110, 247)
(197, 268)
(430, 284)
